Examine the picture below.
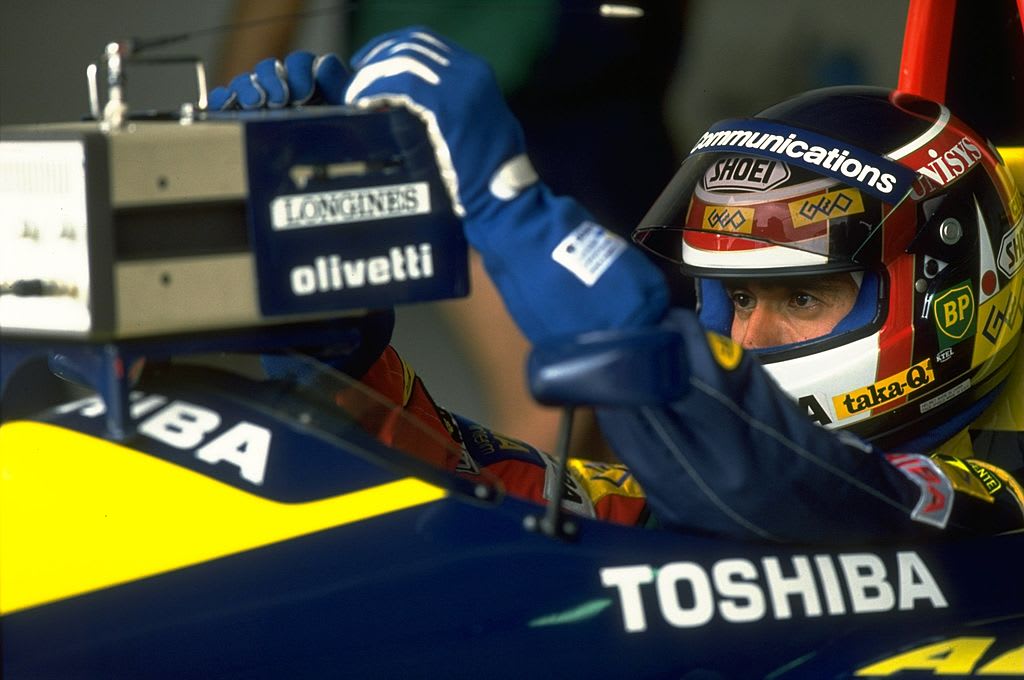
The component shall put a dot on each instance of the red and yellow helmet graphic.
(889, 185)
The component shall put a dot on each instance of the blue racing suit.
(735, 457)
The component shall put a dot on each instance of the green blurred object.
(512, 36)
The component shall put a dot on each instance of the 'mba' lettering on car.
(743, 591)
(884, 391)
(186, 426)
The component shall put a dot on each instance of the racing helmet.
(893, 188)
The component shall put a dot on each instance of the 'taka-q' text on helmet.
(888, 184)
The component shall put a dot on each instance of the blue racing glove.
(301, 78)
(558, 271)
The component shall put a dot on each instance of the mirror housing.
(631, 367)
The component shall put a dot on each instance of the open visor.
(759, 198)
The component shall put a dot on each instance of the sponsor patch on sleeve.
(603, 479)
(935, 504)
(588, 251)
(990, 474)
(967, 477)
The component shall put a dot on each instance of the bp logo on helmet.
(954, 314)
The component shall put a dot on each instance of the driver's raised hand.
(478, 142)
(558, 271)
(301, 78)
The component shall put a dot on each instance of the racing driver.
(853, 373)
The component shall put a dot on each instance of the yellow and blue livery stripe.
(78, 514)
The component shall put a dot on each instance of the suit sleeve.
(735, 457)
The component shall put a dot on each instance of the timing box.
(235, 220)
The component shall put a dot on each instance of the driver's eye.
(741, 299)
(802, 299)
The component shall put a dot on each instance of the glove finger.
(248, 93)
(331, 75)
(298, 68)
(270, 76)
(221, 99)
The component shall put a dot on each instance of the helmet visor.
(756, 197)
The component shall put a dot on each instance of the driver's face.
(772, 312)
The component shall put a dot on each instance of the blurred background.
(609, 108)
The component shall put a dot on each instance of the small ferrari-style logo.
(726, 352)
